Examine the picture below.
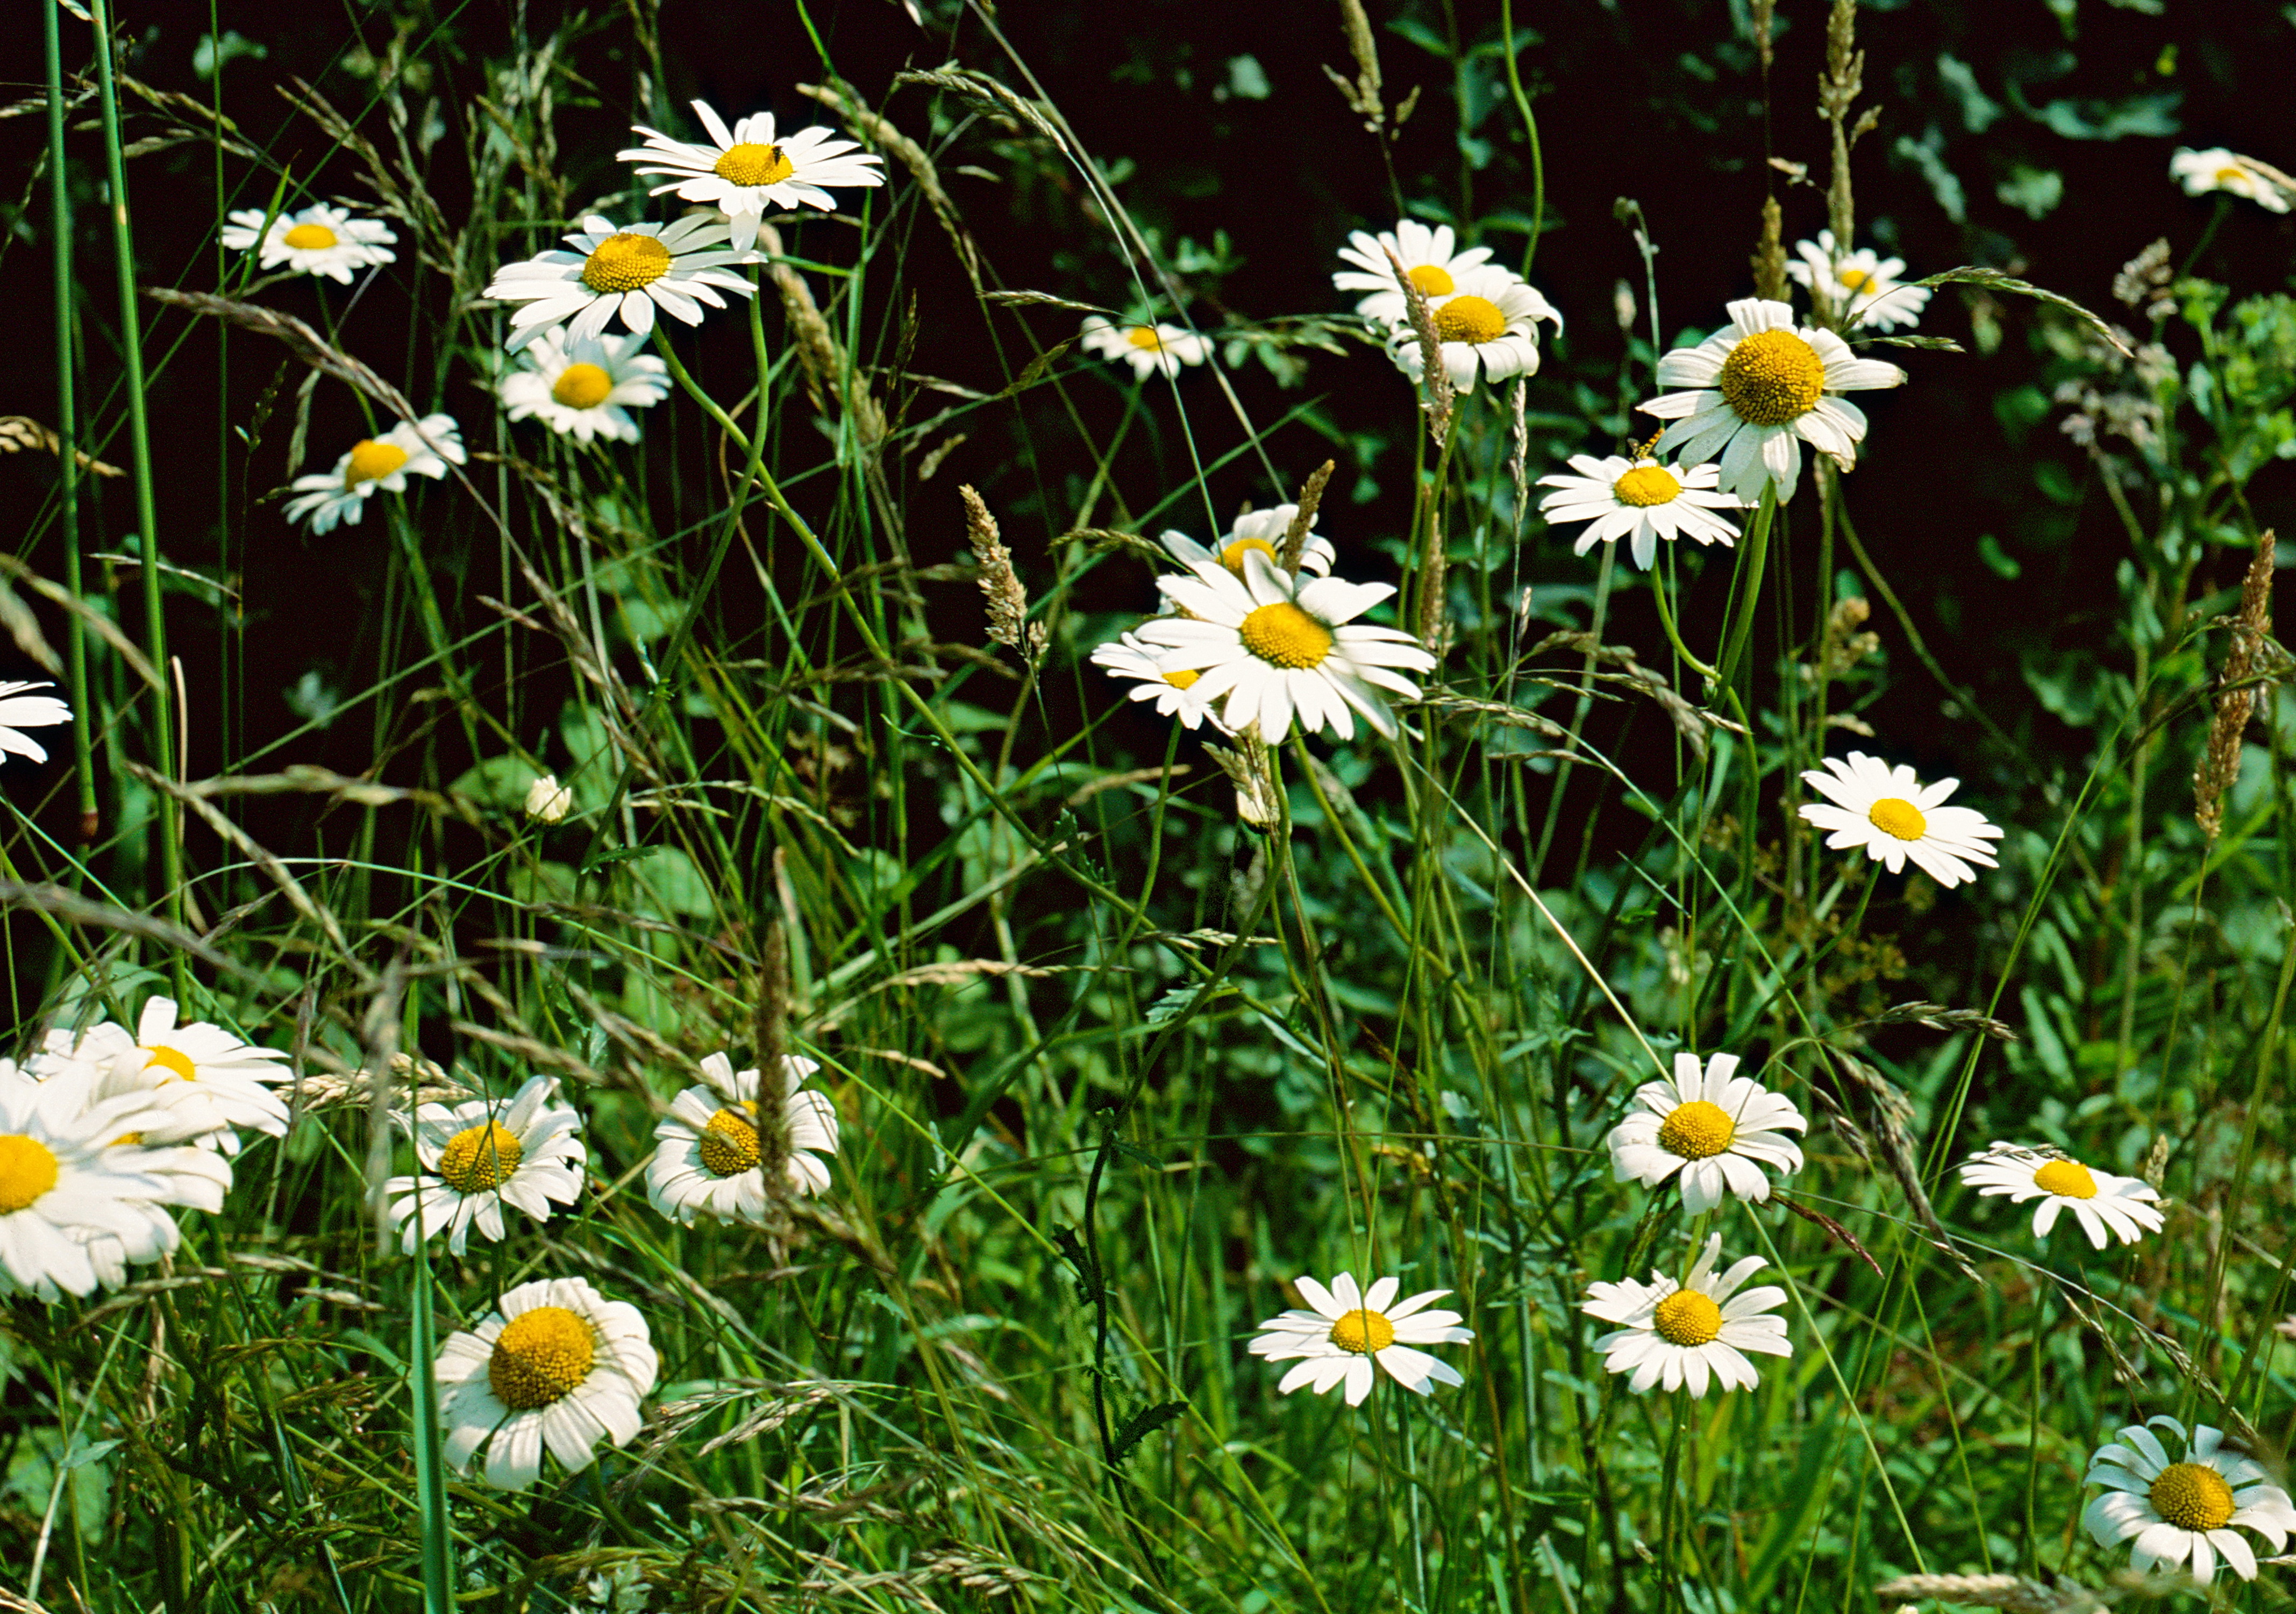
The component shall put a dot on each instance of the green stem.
(1757, 555)
(1530, 133)
(60, 228)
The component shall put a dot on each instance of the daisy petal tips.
(2181, 1513)
(1347, 1330)
(1718, 1130)
(2101, 1202)
(1895, 817)
(1673, 1335)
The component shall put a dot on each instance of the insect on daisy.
(1858, 288)
(1268, 646)
(1894, 816)
(1130, 656)
(1715, 1128)
(585, 386)
(20, 711)
(1348, 1330)
(1639, 499)
(1760, 388)
(2182, 1512)
(319, 239)
(1490, 325)
(2218, 169)
(709, 1160)
(1150, 348)
(480, 1156)
(63, 1184)
(1430, 259)
(744, 170)
(631, 270)
(1671, 1334)
(556, 1364)
(2102, 1203)
(1264, 530)
(376, 464)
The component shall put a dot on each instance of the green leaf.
(1142, 1424)
(614, 854)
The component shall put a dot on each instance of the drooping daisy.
(1132, 657)
(1490, 325)
(1858, 288)
(709, 1159)
(1761, 388)
(480, 1156)
(1348, 1330)
(744, 169)
(631, 270)
(1639, 499)
(63, 1184)
(2183, 1511)
(585, 385)
(1269, 646)
(556, 1364)
(1716, 1128)
(203, 1081)
(1429, 261)
(2101, 1201)
(1671, 1334)
(1264, 530)
(1894, 816)
(1150, 348)
(2218, 169)
(20, 711)
(376, 464)
(319, 239)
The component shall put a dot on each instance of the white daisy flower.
(709, 1159)
(63, 1184)
(191, 1177)
(376, 464)
(1858, 288)
(1639, 499)
(319, 239)
(557, 1363)
(1131, 656)
(1348, 1330)
(2182, 1512)
(1761, 388)
(1673, 1334)
(1894, 816)
(548, 801)
(2218, 169)
(744, 169)
(586, 385)
(204, 1081)
(1269, 646)
(20, 711)
(1264, 530)
(631, 270)
(1429, 260)
(2101, 1201)
(1716, 1128)
(1489, 325)
(1149, 348)
(478, 1156)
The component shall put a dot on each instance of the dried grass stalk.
(2251, 630)
(1000, 584)
(1303, 518)
(1435, 395)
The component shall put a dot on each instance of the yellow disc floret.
(624, 262)
(1646, 485)
(310, 238)
(749, 164)
(1855, 280)
(2192, 1497)
(1284, 635)
(729, 1143)
(1182, 679)
(172, 1060)
(581, 386)
(541, 1356)
(1772, 377)
(1232, 557)
(1687, 1317)
(27, 1169)
(1433, 280)
(1146, 338)
(479, 1157)
(1895, 815)
(1470, 319)
(1363, 1332)
(2232, 175)
(1697, 1130)
(2067, 1179)
(369, 462)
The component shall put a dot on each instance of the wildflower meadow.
(1362, 806)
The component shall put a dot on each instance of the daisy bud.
(548, 799)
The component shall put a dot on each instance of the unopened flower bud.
(548, 799)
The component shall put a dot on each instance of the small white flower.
(319, 239)
(2218, 169)
(587, 386)
(1894, 816)
(1674, 1334)
(1133, 657)
(745, 170)
(480, 1156)
(548, 800)
(63, 1185)
(1149, 348)
(1640, 499)
(1716, 1128)
(377, 465)
(1490, 325)
(1429, 261)
(709, 1159)
(19, 710)
(200, 1081)
(1348, 1330)
(2100, 1201)
(631, 270)
(556, 1364)
(1858, 288)
(2182, 1511)
(1264, 530)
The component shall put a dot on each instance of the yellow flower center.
(749, 164)
(479, 1157)
(541, 1356)
(1232, 557)
(2067, 1179)
(582, 386)
(1432, 280)
(1285, 636)
(1855, 280)
(1687, 1317)
(1144, 337)
(626, 262)
(1470, 319)
(729, 1143)
(1696, 1130)
(1363, 1332)
(2192, 1497)
(310, 238)
(127, 1140)
(1772, 377)
(2231, 175)
(173, 1059)
(27, 1169)
(370, 462)
(1895, 815)
(1182, 679)
(1644, 486)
